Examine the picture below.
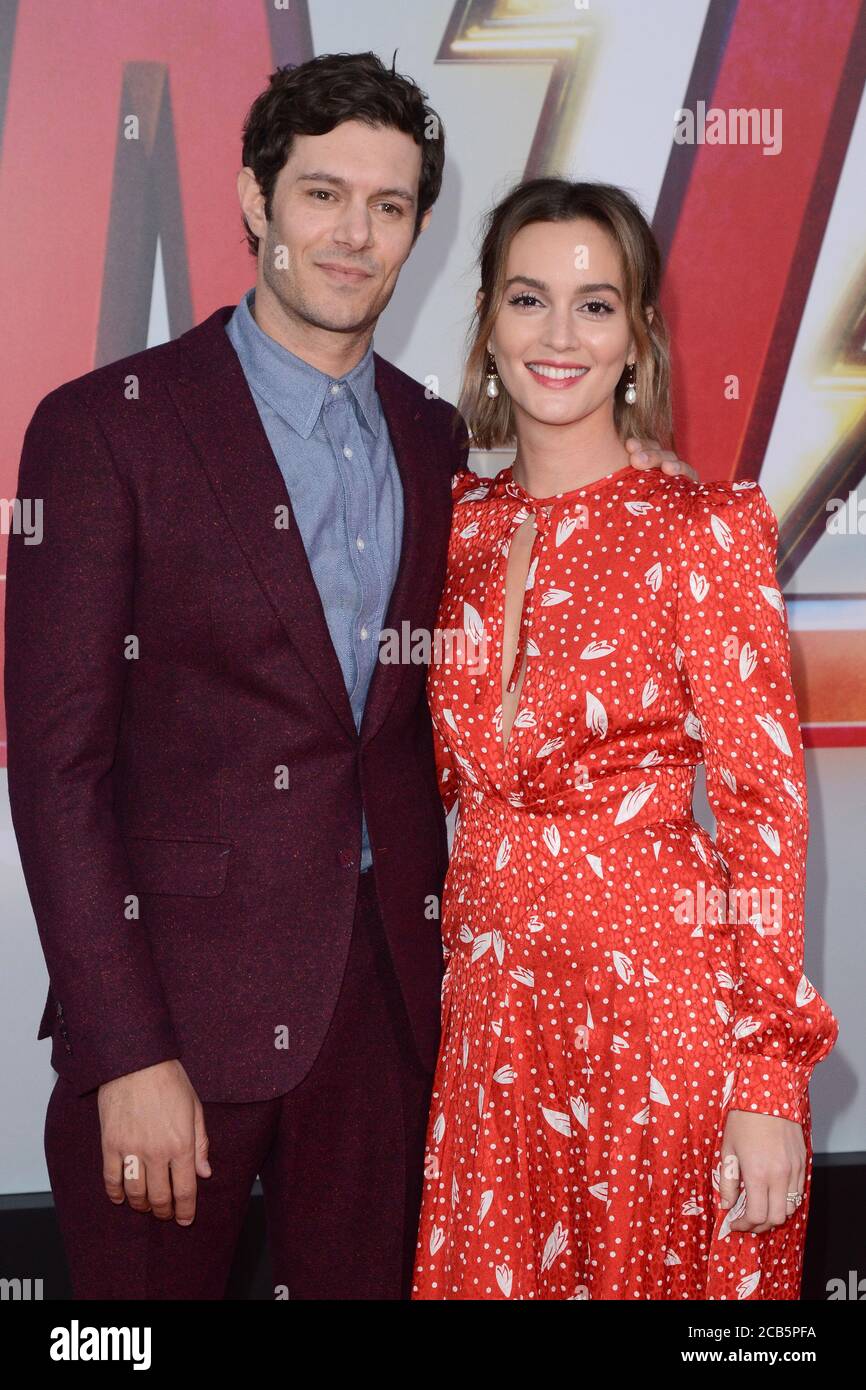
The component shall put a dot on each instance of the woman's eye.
(598, 308)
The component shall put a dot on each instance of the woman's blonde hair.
(491, 420)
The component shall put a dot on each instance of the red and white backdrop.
(738, 124)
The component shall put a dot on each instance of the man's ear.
(252, 201)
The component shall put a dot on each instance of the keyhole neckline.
(520, 666)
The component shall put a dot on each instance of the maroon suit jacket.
(166, 654)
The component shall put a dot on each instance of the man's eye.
(393, 208)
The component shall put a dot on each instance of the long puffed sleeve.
(732, 630)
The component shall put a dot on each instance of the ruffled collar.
(505, 485)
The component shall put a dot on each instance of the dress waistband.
(605, 809)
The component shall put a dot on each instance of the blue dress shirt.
(331, 442)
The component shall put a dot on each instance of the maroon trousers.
(340, 1159)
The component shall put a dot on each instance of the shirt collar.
(293, 388)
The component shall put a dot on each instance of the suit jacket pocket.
(193, 868)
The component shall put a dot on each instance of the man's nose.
(354, 226)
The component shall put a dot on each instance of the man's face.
(342, 224)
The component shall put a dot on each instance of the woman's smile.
(555, 378)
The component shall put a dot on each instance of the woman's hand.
(648, 453)
(768, 1155)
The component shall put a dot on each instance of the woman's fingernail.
(643, 456)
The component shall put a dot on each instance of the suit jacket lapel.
(419, 502)
(221, 419)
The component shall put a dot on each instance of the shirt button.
(335, 390)
(364, 632)
(360, 542)
(347, 452)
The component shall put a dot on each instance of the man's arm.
(648, 453)
(69, 607)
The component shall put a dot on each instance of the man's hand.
(768, 1154)
(648, 453)
(154, 1143)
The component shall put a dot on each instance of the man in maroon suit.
(226, 808)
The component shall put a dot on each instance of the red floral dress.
(616, 981)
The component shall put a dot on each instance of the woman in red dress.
(620, 1107)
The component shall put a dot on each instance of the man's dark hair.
(314, 97)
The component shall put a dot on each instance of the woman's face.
(561, 338)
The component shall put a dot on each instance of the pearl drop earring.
(630, 392)
(492, 376)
